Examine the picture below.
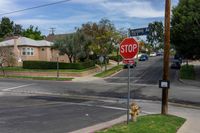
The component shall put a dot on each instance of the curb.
(182, 81)
(113, 74)
(109, 124)
(103, 125)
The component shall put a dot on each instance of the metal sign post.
(101, 59)
(57, 66)
(128, 93)
(128, 50)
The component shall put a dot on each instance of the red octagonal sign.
(129, 48)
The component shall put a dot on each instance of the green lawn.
(187, 72)
(44, 70)
(109, 71)
(39, 78)
(149, 124)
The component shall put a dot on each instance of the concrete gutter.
(101, 126)
(153, 107)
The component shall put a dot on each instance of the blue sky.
(64, 17)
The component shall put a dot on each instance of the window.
(27, 51)
(42, 49)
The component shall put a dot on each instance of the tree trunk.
(4, 74)
(105, 63)
(70, 59)
(187, 64)
(74, 59)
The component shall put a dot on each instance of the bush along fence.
(53, 65)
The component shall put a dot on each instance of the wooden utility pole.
(166, 56)
(52, 30)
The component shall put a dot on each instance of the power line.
(52, 30)
(35, 7)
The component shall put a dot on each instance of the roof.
(53, 37)
(27, 42)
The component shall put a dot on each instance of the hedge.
(53, 65)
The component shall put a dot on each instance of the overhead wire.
(35, 7)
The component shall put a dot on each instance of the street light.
(57, 56)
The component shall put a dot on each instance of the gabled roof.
(24, 41)
(53, 37)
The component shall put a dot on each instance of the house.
(26, 49)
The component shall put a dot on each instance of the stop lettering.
(129, 48)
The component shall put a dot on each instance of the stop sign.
(129, 48)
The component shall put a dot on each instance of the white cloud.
(128, 8)
(133, 9)
(87, 1)
(41, 21)
(61, 25)
(9, 6)
(121, 12)
(5, 5)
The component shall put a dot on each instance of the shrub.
(115, 58)
(187, 72)
(53, 65)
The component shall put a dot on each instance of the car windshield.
(175, 61)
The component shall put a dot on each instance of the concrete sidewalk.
(91, 78)
(191, 115)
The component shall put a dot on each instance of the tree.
(116, 38)
(156, 36)
(185, 25)
(72, 45)
(33, 33)
(79, 42)
(100, 36)
(17, 30)
(103, 40)
(6, 27)
(7, 56)
(64, 46)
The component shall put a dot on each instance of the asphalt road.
(47, 106)
(146, 72)
(50, 114)
(144, 85)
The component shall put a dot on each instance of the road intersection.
(53, 106)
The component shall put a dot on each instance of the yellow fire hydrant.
(134, 111)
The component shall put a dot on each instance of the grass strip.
(40, 78)
(45, 70)
(149, 124)
(187, 72)
(109, 71)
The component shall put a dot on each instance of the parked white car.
(153, 54)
